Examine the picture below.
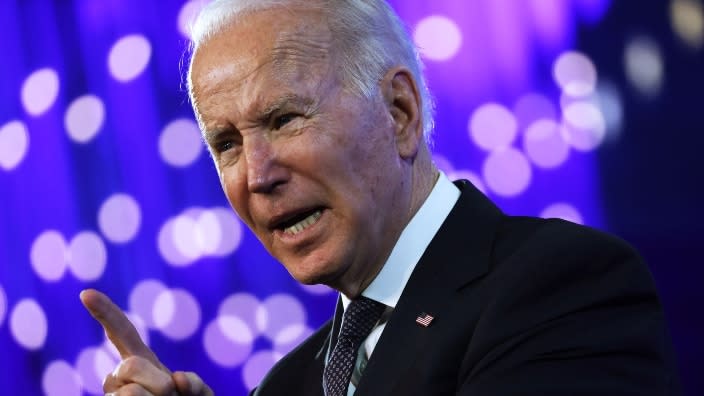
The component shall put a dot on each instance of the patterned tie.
(359, 319)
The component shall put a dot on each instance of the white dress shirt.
(388, 285)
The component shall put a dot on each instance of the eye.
(282, 120)
(223, 146)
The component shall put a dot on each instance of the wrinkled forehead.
(281, 39)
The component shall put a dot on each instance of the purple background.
(103, 182)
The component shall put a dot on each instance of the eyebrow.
(277, 104)
(262, 116)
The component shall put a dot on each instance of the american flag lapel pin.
(424, 319)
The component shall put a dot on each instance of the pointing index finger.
(118, 327)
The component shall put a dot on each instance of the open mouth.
(300, 221)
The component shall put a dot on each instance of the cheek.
(235, 191)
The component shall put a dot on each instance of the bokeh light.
(291, 337)
(492, 126)
(610, 103)
(228, 341)
(143, 297)
(257, 366)
(3, 305)
(87, 256)
(644, 65)
(48, 255)
(28, 324)
(575, 73)
(196, 233)
(60, 379)
(282, 312)
(39, 91)
(186, 16)
(93, 365)
(532, 107)
(544, 143)
(507, 172)
(318, 290)
(119, 218)
(176, 313)
(128, 57)
(84, 118)
(585, 127)
(438, 38)
(687, 18)
(563, 211)
(14, 143)
(180, 143)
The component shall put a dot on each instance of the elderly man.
(317, 115)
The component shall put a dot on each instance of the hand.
(140, 372)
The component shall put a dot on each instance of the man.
(316, 115)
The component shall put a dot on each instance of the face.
(313, 169)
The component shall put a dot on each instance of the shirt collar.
(389, 283)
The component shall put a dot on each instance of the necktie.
(359, 319)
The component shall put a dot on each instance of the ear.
(402, 99)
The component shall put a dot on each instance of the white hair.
(370, 37)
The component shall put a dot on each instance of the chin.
(318, 273)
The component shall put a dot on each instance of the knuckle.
(131, 367)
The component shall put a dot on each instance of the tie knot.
(361, 315)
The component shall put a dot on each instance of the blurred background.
(587, 110)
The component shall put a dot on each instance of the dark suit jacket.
(522, 306)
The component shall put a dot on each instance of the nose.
(265, 172)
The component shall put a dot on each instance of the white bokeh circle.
(645, 66)
(584, 126)
(282, 311)
(14, 144)
(198, 233)
(575, 74)
(180, 142)
(84, 118)
(492, 126)
(28, 324)
(119, 218)
(93, 364)
(129, 56)
(39, 91)
(60, 379)
(49, 255)
(87, 256)
(507, 172)
(257, 366)
(544, 143)
(438, 37)
(187, 15)
(176, 314)
(143, 297)
(227, 342)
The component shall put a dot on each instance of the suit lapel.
(457, 255)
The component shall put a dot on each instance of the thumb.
(190, 384)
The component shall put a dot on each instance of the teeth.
(303, 224)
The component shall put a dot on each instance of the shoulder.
(557, 246)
